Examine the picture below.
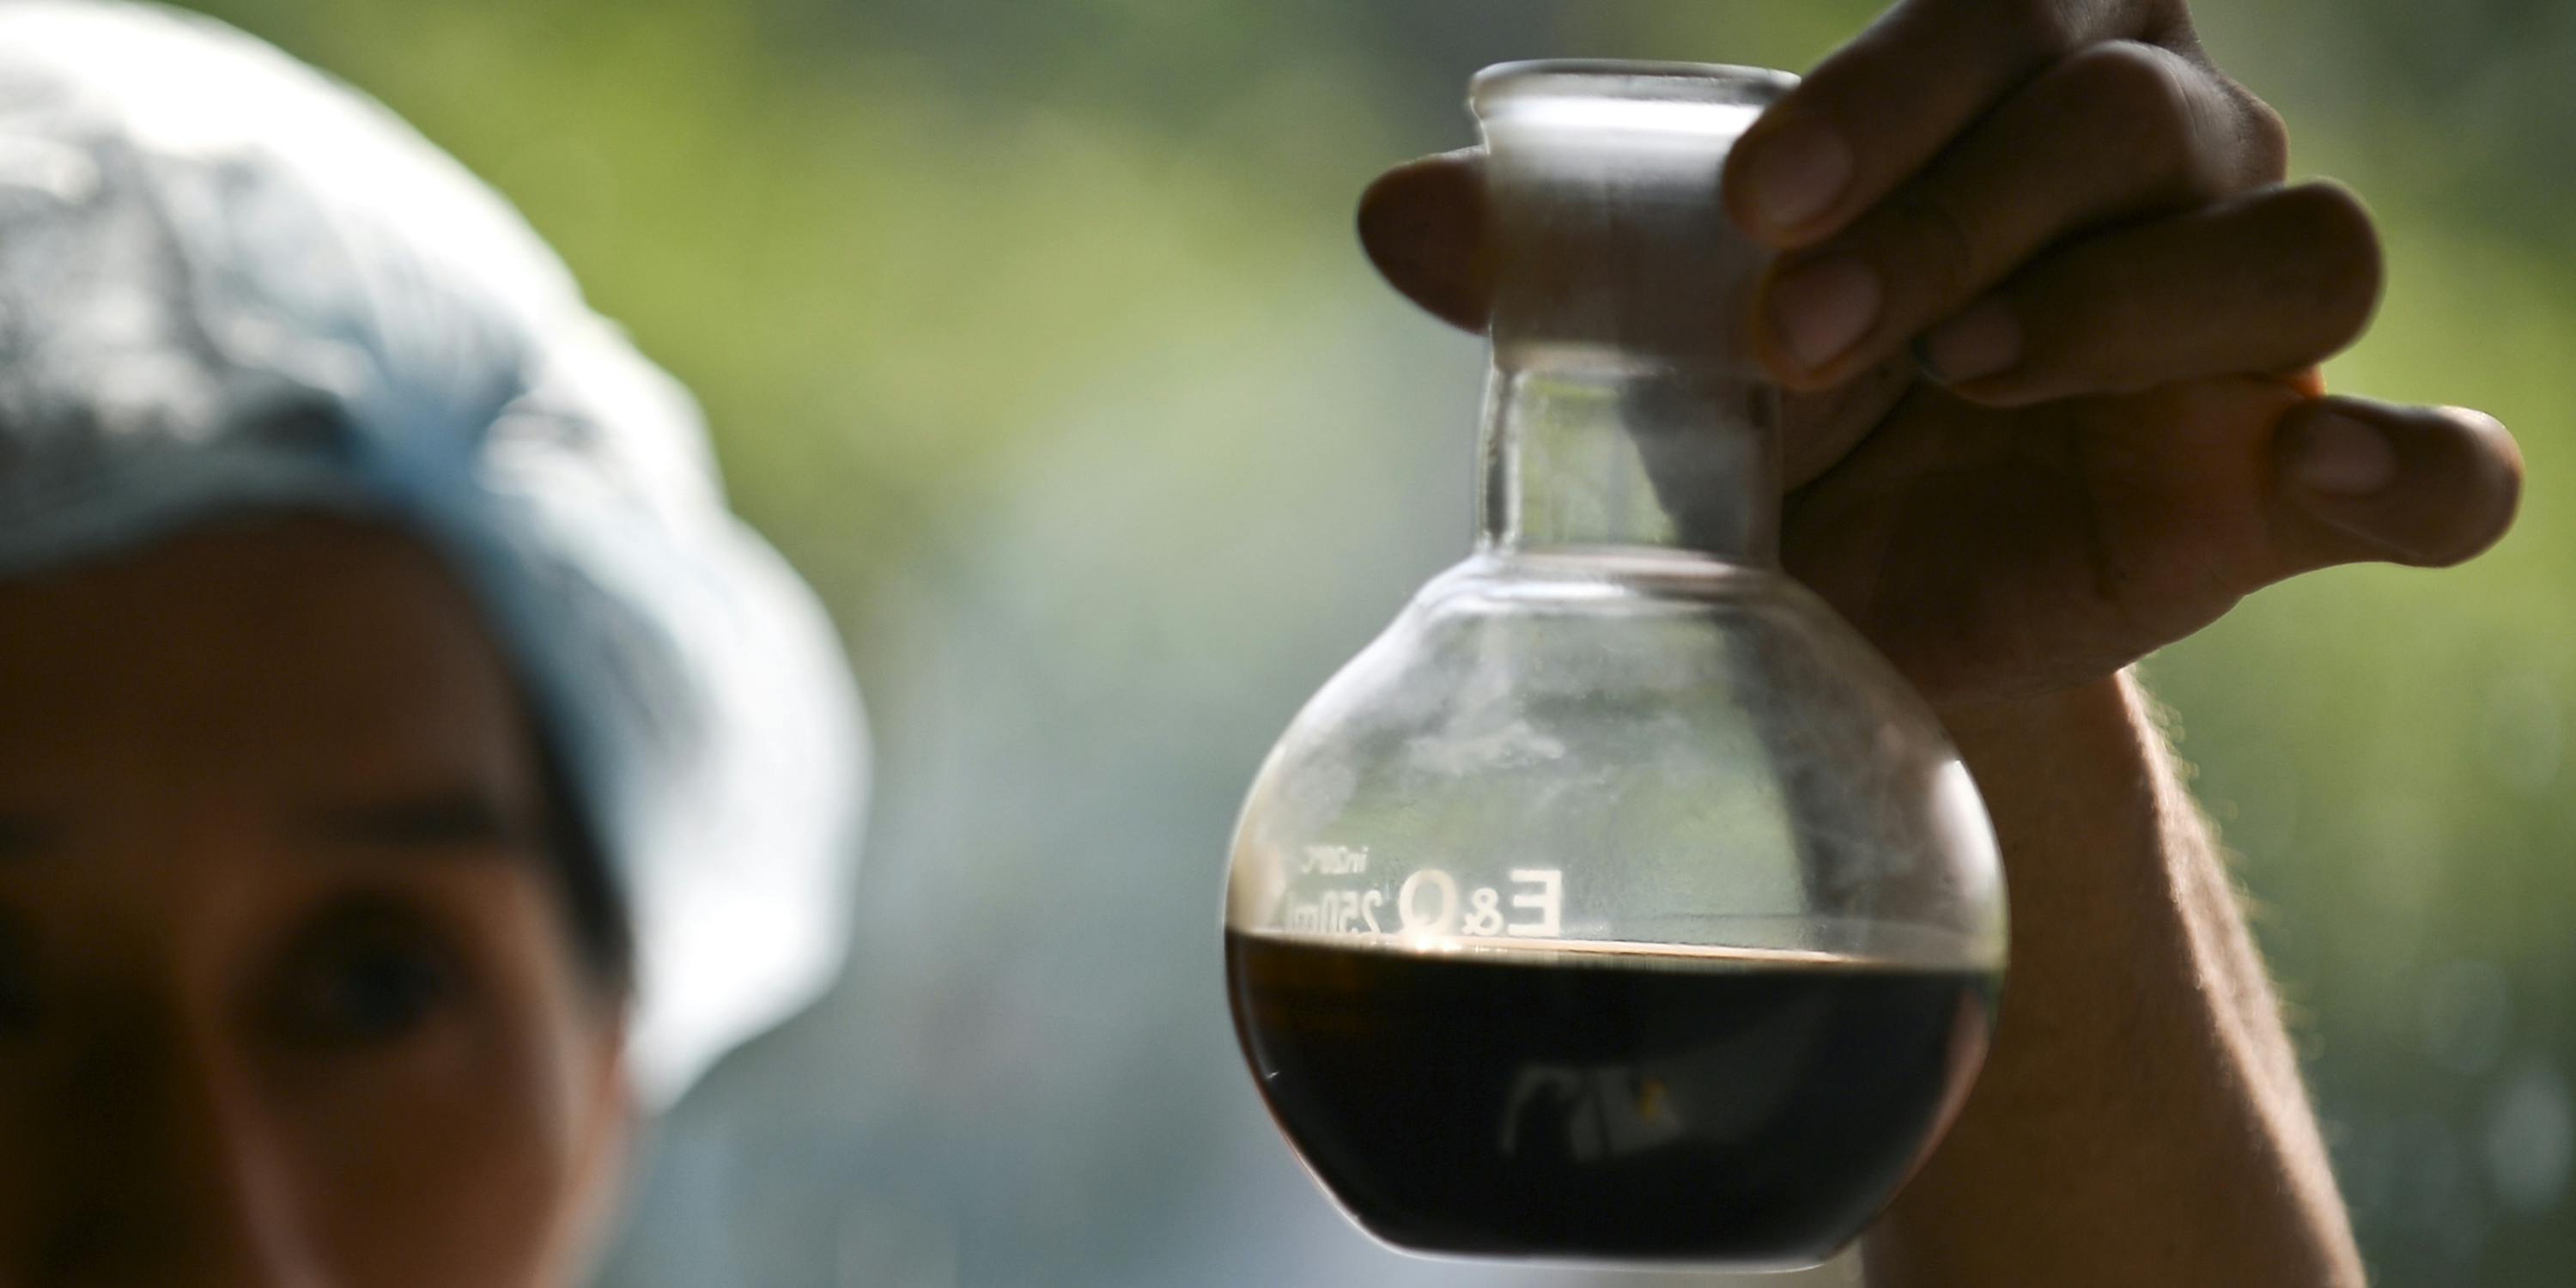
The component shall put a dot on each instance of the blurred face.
(287, 995)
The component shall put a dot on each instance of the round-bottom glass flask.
(1618, 903)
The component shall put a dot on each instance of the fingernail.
(1819, 310)
(1798, 170)
(2340, 456)
(1982, 341)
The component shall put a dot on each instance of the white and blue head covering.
(228, 282)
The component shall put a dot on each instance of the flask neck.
(1584, 457)
(1625, 407)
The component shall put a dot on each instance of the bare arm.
(2140, 1119)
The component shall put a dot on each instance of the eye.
(364, 975)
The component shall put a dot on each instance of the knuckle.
(2336, 259)
(2149, 98)
(2262, 137)
(2133, 78)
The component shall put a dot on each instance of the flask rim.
(1498, 89)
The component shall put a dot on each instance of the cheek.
(451, 1159)
(458, 1150)
(459, 1162)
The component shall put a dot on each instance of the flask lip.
(1507, 87)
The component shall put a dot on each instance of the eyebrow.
(456, 819)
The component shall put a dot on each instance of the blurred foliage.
(1032, 332)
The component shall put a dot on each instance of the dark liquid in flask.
(1748, 1110)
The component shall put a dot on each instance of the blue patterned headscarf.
(229, 283)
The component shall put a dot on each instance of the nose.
(169, 1172)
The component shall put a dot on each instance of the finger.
(1423, 225)
(2268, 282)
(1882, 106)
(2215, 504)
(2358, 480)
(1998, 554)
(2115, 131)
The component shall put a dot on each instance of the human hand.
(2048, 318)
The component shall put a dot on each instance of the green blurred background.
(1034, 333)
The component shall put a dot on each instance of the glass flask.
(1618, 903)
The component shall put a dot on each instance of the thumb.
(2359, 480)
(1423, 225)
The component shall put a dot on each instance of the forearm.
(2140, 1119)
